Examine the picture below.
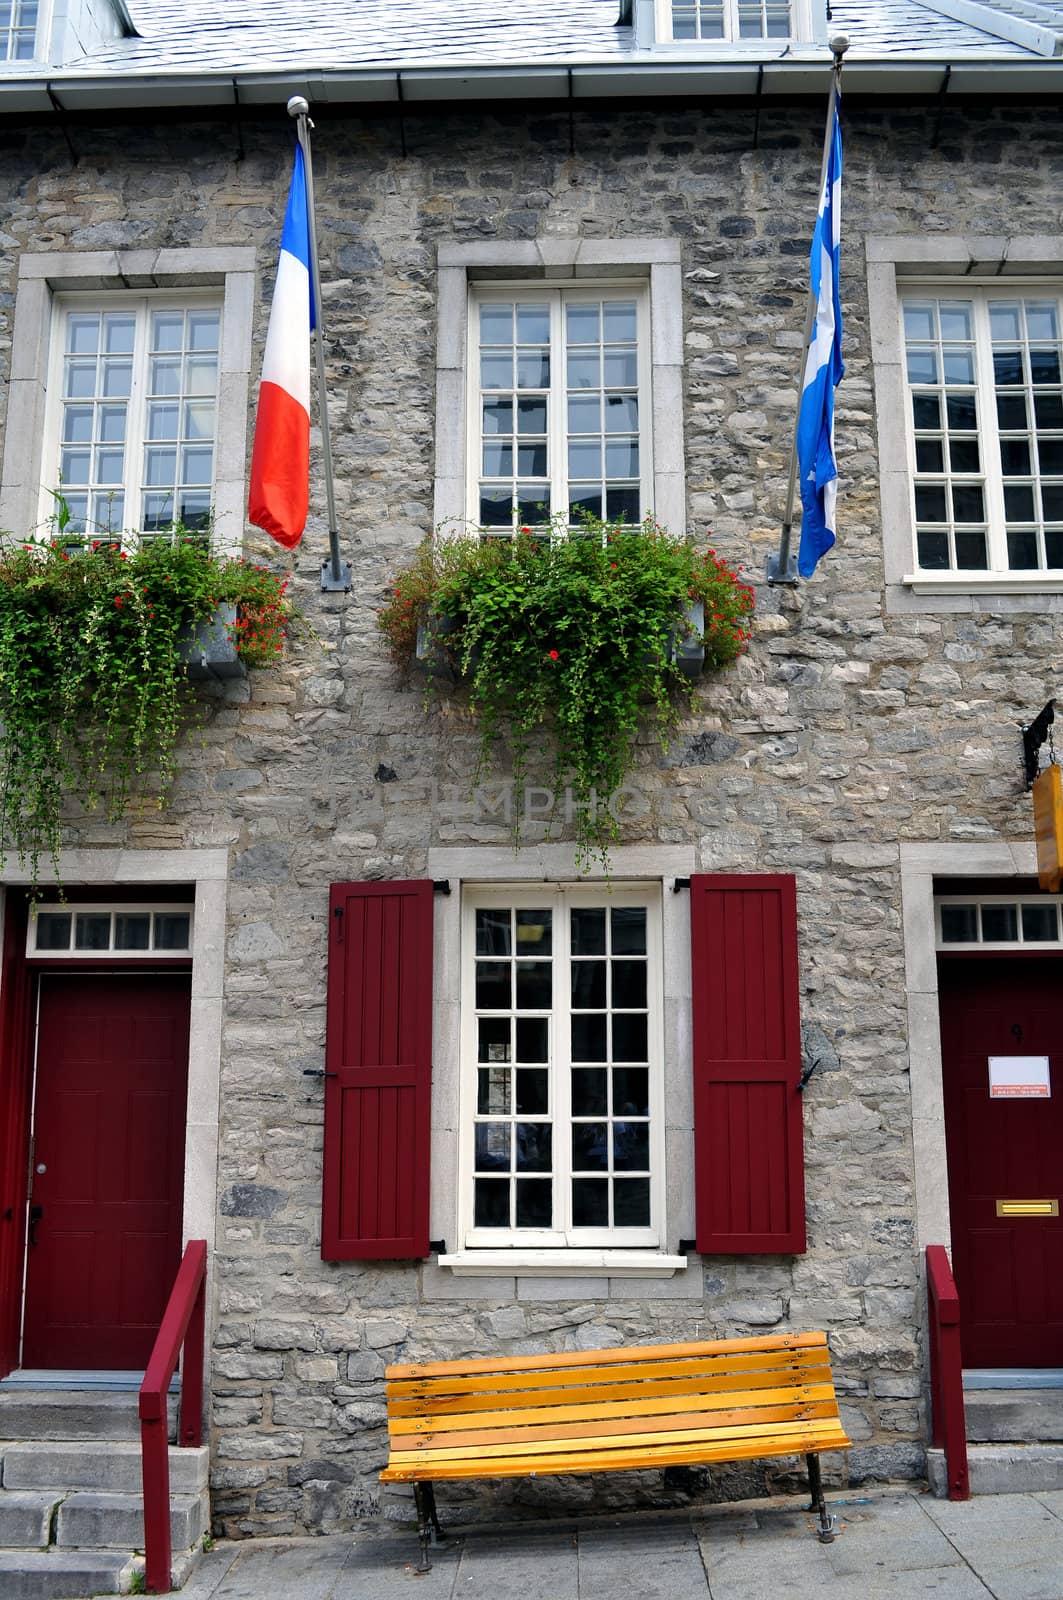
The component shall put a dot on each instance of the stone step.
(1002, 1469)
(110, 1468)
(90, 1521)
(26, 1518)
(60, 1414)
(1022, 1416)
(64, 1574)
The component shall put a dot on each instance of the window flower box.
(208, 649)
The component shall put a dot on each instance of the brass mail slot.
(1027, 1208)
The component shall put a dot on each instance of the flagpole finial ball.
(298, 107)
(839, 43)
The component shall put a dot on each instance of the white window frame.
(894, 263)
(600, 1271)
(40, 33)
(560, 899)
(556, 297)
(111, 908)
(560, 263)
(224, 272)
(142, 305)
(804, 27)
(1012, 946)
(990, 476)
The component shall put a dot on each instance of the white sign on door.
(1019, 1078)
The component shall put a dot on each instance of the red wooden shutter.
(748, 1153)
(378, 1072)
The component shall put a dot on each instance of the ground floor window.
(561, 1103)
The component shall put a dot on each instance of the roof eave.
(589, 80)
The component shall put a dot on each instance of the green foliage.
(93, 688)
(572, 635)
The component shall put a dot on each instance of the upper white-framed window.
(562, 1082)
(133, 931)
(561, 281)
(715, 22)
(559, 404)
(984, 372)
(132, 422)
(19, 22)
(965, 358)
(116, 286)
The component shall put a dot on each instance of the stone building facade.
(866, 744)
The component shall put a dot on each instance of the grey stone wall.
(843, 732)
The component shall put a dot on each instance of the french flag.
(280, 461)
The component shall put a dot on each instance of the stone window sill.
(563, 1263)
(984, 583)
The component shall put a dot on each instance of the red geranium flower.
(553, 655)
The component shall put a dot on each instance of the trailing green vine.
(93, 686)
(576, 636)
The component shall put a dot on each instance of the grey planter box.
(430, 657)
(208, 650)
(687, 651)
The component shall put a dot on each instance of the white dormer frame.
(807, 26)
(42, 34)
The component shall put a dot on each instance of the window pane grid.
(950, 497)
(137, 425)
(610, 1102)
(985, 380)
(1024, 334)
(999, 922)
(513, 1124)
(18, 29)
(558, 424)
(731, 19)
(105, 930)
(182, 389)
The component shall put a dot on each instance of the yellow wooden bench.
(657, 1405)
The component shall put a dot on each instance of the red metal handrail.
(946, 1370)
(183, 1324)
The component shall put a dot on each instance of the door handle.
(36, 1213)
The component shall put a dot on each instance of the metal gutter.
(79, 93)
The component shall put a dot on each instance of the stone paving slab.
(891, 1545)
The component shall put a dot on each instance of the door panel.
(109, 1133)
(1007, 1268)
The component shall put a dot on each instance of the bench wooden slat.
(661, 1406)
(595, 1358)
(697, 1453)
(444, 1402)
(477, 1441)
(774, 1436)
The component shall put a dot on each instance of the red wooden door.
(108, 1167)
(1008, 1269)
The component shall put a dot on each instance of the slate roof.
(234, 36)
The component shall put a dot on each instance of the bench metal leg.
(425, 1501)
(828, 1523)
(424, 1495)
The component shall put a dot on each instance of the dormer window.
(731, 19)
(751, 22)
(18, 29)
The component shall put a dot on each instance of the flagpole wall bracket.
(782, 573)
(336, 581)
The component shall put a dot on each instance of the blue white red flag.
(280, 460)
(824, 370)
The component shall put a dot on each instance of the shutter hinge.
(809, 1070)
(440, 885)
(686, 1246)
(680, 883)
(438, 1245)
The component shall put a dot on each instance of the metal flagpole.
(782, 567)
(335, 574)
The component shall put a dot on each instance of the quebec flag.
(279, 496)
(824, 370)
